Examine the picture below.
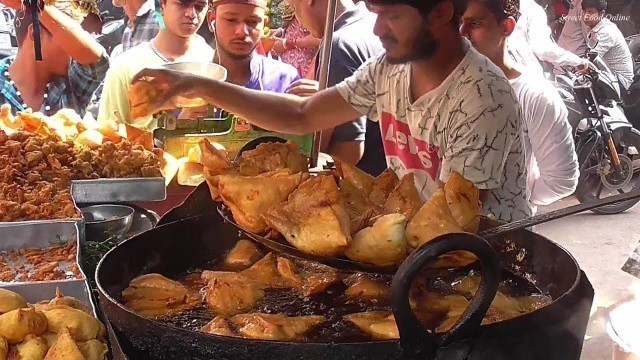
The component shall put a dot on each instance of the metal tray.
(118, 190)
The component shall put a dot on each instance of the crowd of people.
(423, 87)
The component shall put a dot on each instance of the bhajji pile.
(35, 264)
(255, 294)
(39, 156)
(347, 213)
(62, 328)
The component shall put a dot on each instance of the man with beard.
(552, 163)
(178, 41)
(356, 142)
(442, 107)
(238, 26)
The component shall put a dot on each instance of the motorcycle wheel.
(590, 184)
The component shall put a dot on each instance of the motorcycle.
(606, 142)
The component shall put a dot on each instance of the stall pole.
(324, 70)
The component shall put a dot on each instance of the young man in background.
(552, 163)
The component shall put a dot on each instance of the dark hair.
(502, 9)
(424, 6)
(600, 5)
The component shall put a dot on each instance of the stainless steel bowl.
(104, 221)
(208, 70)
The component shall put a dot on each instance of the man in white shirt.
(551, 158)
(442, 107)
(531, 41)
(611, 44)
(178, 41)
(574, 31)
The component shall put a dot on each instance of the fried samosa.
(383, 185)
(265, 272)
(463, 198)
(93, 349)
(358, 178)
(32, 348)
(218, 326)
(17, 324)
(382, 244)
(4, 348)
(249, 197)
(404, 199)
(153, 295)
(313, 219)
(142, 95)
(64, 348)
(309, 280)
(364, 287)
(81, 326)
(10, 300)
(271, 156)
(63, 300)
(230, 293)
(274, 327)
(381, 325)
(358, 207)
(242, 256)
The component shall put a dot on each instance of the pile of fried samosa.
(58, 329)
(340, 213)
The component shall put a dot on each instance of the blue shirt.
(268, 74)
(71, 92)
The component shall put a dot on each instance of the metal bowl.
(104, 221)
(208, 70)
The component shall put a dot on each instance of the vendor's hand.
(304, 88)
(170, 85)
(278, 47)
(586, 66)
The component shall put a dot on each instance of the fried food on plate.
(142, 96)
(381, 325)
(382, 244)
(10, 301)
(358, 207)
(358, 178)
(17, 324)
(404, 199)
(62, 300)
(153, 295)
(33, 347)
(274, 326)
(463, 198)
(313, 219)
(383, 185)
(249, 197)
(273, 156)
(64, 348)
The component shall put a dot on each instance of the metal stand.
(324, 71)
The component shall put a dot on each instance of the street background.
(601, 244)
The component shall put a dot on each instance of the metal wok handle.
(414, 340)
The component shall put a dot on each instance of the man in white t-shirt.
(442, 107)
(551, 159)
(178, 41)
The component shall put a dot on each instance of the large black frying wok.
(553, 332)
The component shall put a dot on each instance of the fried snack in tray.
(56, 332)
(35, 264)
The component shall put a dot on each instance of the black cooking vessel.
(553, 332)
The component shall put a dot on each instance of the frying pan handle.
(414, 340)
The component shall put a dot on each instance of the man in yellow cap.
(238, 26)
(73, 62)
(178, 41)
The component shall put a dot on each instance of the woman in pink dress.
(298, 47)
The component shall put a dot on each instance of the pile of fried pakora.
(36, 264)
(61, 328)
(343, 213)
(39, 156)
